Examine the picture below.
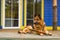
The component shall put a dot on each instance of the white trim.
(11, 28)
(3, 16)
(2, 12)
(19, 13)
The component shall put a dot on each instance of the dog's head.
(36, 20)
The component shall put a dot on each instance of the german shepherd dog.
(39, 27)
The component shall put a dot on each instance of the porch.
(7, 34)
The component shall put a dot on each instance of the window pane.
(11, 13)
(38, 7)
(29, 9)
(15, 9)
(33, 7)
(7, 8)
(29, 22)
(15, 23)
(7, 23)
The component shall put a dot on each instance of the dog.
(40, 26)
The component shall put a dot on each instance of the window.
(33, 7)
(11, 13)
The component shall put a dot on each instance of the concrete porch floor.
(6, 33)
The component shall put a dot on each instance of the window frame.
(3, 16)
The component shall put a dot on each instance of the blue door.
(48, 15)
(58, 11)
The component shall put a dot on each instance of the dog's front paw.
(50, 34)
(19, 32)
(41, 34)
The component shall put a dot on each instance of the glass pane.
(7, 8)
(15, 9)
(11, 13)
(7, 23)
(15, 23)
(29, 22)
(33, 7)
(30, 9)
(38, 7)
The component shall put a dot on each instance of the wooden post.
(54, 14)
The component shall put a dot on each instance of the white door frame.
(3, 16)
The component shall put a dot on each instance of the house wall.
(58, 12)
(48, 12)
